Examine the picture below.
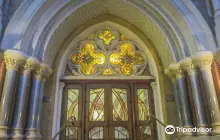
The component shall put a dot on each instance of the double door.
(108, 112)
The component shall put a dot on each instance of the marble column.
(33, 127)
(189, 67)
(203, 60)
(176, 70)
(19, 110)
(176, 96)
(14, 60)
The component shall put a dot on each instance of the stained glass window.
(121, 133)
(107, 52)
(143, 104)
(119, 104)
(71, 133)
(96, 106)
(73, 104)
(96, 133)
(145, 131)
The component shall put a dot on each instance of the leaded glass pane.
(96, 106)
(121, 133)
(143, 104)
(119, 104)
(73, 104)
(71, 133)
(145, 131)
(96, 133)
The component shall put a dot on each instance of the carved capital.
(203, 60)
(14, 59)
(42, 72)
(31, 64)
(187, 65)
(217, 56)
(176, 70)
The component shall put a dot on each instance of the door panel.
(109, 112)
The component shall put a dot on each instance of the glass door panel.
(144, 109)
(96, 112)
(120, 116)
(72, 117)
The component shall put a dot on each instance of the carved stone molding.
(43, 71)
(176, 70)
(187, 65)
(203, 60)
(31, 64)
(14, 59)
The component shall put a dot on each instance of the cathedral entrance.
(108, 111)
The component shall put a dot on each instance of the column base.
(188, 133)
(216, 128)
(17, 133)
(3, 132)
(32, 134)
(203, 133)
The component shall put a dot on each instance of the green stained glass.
(143, 104)
(73, 104)
(119, 104)
(96, 106)
(71, 133)
(145, 132)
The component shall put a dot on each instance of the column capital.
(14, 59)
(31, 64)
(217, 56)
(203, 59)
(187, 65)
(43, 71)
(176, 70)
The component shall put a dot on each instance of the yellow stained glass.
(107, 72)
(88, 59)
(126, 58)
(107, 36)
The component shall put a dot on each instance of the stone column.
(2, 73)
(14, 60)
(176, 96)
(176, 70)
(188, 66)
(18, 116)
(216, 6)
(33, 127)
(203, 60)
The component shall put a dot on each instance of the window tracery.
(107, 52)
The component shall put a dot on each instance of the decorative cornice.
(14, 59)
(203, 60)
(187, 65)
(31, 64)
(176, 70)
(42, 72)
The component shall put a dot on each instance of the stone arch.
(42, 28)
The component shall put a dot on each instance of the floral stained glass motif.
(143, 104)
(73, 104)
(88, 59)
(107, 36)
(96, 106)
(119, 104)
(127, 58)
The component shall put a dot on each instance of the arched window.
(115, 107)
